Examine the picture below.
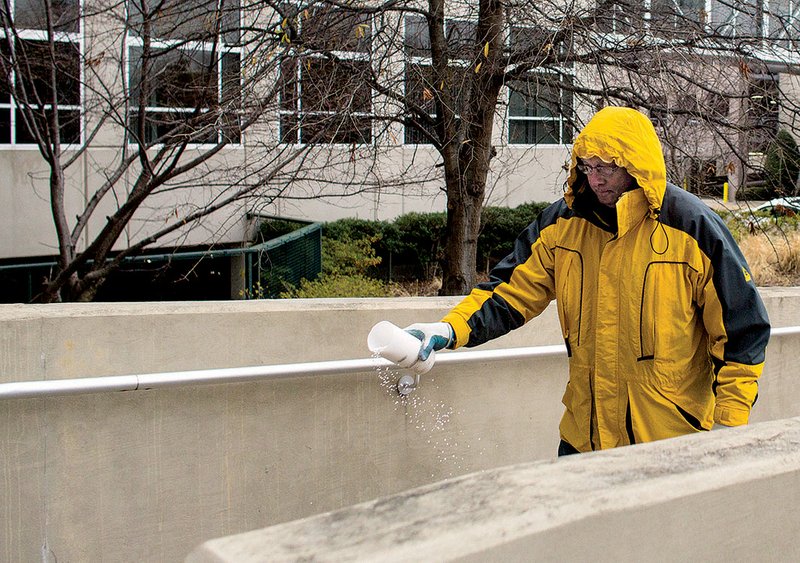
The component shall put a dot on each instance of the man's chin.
(607, 200)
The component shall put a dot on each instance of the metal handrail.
(147, 381)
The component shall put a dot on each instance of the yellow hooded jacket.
(664, 327)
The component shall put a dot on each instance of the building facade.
(219, 111)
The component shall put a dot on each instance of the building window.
(670, 18)
(419, 86)
(324, 96)
(620, 17)
(676, 17)
(540, 107)
(762, 112)
(539, 110)
(27, 90)
(783, 25)
(191, 90)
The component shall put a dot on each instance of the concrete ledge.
(721, 496)
(150, 475)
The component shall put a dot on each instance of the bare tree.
(151, 111)
(709, 81)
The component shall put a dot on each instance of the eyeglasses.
(603, 170)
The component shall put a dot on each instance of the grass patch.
(774, 257)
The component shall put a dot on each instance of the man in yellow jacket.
(664, 327)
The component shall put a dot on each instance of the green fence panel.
(284, 261)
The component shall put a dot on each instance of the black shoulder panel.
(744, 315)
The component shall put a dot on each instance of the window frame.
(420, 57)
(15, 122)
(566, 132)
(296, 115)
(560, 122)
(725, 17)
(192, 49)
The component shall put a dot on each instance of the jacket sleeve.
(518, 289)
(736, 322)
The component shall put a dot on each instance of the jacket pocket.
(667, 311)
(569, 274)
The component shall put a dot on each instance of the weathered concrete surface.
(721, 496)
(149, 475)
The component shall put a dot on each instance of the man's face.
(607, 181)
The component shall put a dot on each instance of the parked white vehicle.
(779, 206)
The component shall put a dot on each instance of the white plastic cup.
(396, 345)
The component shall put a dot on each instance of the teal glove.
(434, 337)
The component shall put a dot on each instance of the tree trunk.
(459, 264)
(465, 176)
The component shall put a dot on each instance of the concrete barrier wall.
(149, 475)
(720, 496)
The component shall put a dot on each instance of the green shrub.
(384, 236)
(421, 242)
(500, 227)
(274, 228)
(411, 247)
(349, 257)
(340, 285)
(781, 165)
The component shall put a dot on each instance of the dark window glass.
(461, 38)
(5, 73)
(177, 78)
(289, 84)
(69, 126)
(32, 14)
(762, 113)
(34, 56)
(231, 21)
(535, 98)
(289, 128)
(676, 17)
(526, 40)
(328, 86)
(533, 132)
(335, 128)
(784, 25)
(186, 80)
(231, 80)
(333, 29)
(621, 16)
(332, 97)
(5, 126)
(175, 126)
(749, 18)
(419, 87)
(231, 97)
(417, 39)
(198, 20)
(415, 134)
(420, 91)
(722, 17)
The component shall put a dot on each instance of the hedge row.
(411, 246)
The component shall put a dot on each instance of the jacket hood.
(625, 137)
